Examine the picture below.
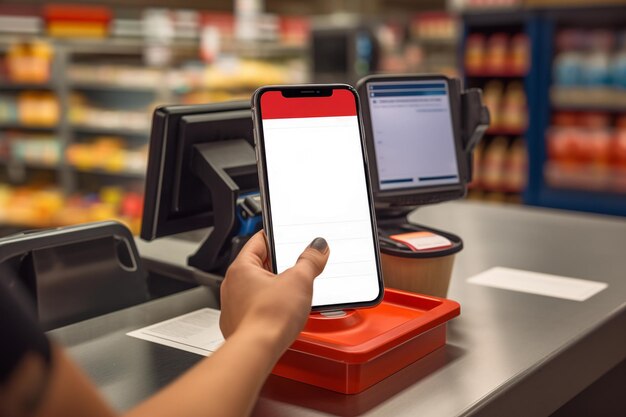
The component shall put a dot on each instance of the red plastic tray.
(351, 353)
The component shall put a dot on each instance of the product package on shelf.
(76, 20)
(587, 151)
(498, 54)
(29, 62)
(41, 150)
(507, 105)
(502, 165)
(47, 206)
(589, 70)
(109, 154)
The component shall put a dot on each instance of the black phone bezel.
(312, 90)
(414, 195)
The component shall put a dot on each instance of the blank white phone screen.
(317, 186)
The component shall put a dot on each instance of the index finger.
(255, 249)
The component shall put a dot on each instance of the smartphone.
(413, 139)
(314, 181)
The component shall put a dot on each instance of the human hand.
(278, 306)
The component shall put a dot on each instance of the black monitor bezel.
(415, 195)
(159, 217)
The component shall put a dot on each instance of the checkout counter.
(508, 353)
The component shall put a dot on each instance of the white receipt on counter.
(537, 283)
(196, 332)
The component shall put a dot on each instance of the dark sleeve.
(19, 327)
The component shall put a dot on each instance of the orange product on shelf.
(492, 97)
(475, 52)
(434, 25)
(566, 119)
(496, 59)
(46, 206)
(619, 146)
(519, 56)
(516, 168)
(101, 211)
(514, 109)
(109, 154)
(595, 120)
(38, 108)
(563, 144)
(74, 20)
(494, 164)
(598, 146)
(29, 62)
(30, 205)
(132, 205)
(295, 30)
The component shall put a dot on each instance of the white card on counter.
(538, 283)
(196, 332)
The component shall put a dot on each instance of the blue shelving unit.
(520, 21)
(541, 27)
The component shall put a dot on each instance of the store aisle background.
(78, 85)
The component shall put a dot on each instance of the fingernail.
(319, 244)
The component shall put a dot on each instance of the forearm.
(224, 384)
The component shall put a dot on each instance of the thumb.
(312, 261)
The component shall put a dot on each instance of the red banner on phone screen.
(276, 106)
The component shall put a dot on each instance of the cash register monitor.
(414, 146)
(176, 199)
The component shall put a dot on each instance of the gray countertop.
(509, 353)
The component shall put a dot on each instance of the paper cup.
(429, 276)
(423, 272)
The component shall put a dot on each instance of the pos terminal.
(202, 171)
(421, 131)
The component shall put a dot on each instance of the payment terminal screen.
(317, 187)
(412, 132)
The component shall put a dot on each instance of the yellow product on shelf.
(245, 73)
(46, 204)
(5, 198)
(115, 161)
(31, 206)
(77, 29)
(102, 211)
(37, 108)
(112, 196)
(104, 153)
(200, 97)
(78, 104)
(80, 156)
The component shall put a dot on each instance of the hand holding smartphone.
(314, 181)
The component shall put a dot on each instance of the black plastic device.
(343, 52)
(469, 119)
(201, 159)
(176, 197)
(76, 272)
